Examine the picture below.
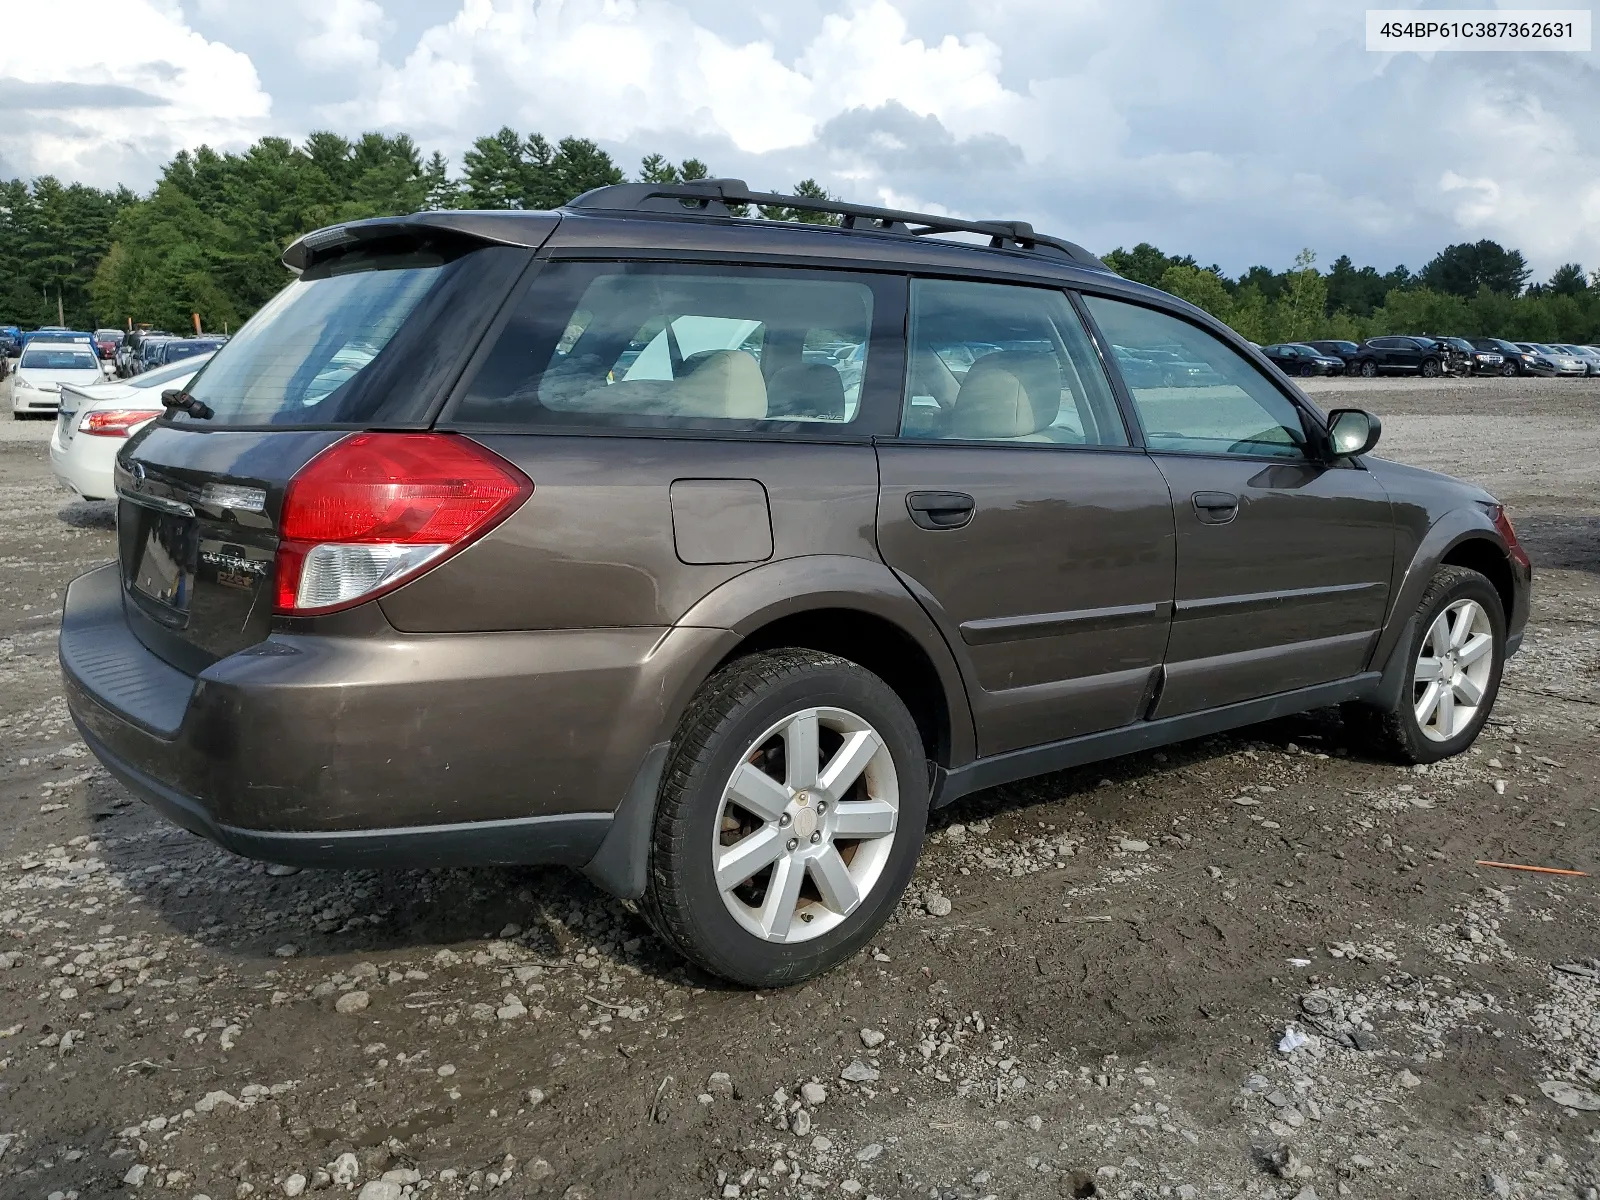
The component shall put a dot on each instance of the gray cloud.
(19, 94)
(893, 137)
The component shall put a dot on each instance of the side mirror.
(1352, 432)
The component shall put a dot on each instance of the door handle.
(1216, 508)
(940, 510)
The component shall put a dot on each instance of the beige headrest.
(725, 383)
(1007, 394)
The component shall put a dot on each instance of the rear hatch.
(371, 337)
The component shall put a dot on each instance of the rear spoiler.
(529, 230)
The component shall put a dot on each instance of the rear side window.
(630, 345)
(997, 363)
(1194, 392)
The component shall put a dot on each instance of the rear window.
(631, 345)
(58, 358)
(372, 337)
(289, 364)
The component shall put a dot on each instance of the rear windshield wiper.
(175, 399)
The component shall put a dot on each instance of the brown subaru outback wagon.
(707, 554)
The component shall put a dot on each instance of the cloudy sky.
(1238, 132)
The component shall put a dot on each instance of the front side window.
(630, 345)
(997, 363)
(1194, 392)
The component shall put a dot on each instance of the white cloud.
(343, 34)
(112, 108)
(1236, 132)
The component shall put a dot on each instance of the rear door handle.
(1216, 508)
(940, 510)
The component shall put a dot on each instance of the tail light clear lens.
(115, 422)
(377, 509)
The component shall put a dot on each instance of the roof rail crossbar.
(720, 197)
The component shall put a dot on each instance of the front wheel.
(1369, 369)
(789, 820)
(1430, 368)
(1455, 658)
(1508, 370)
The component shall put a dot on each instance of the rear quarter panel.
(594, 546)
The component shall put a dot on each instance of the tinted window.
(1193, 391)
(164, 375)
(177, 350)
(294, 362)
(630, 345)
(990, 362)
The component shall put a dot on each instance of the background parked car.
(170, 350)
(106, 342)
(1559, 362)
(96, 420)
(1298, 358)
(43, 368)
(1470, 359)
(55, 333)
(1400, 356)
(10, 341)
(145, 356)
(1346, 352)
(128, 353)
(1589, 355)
(1516, 360)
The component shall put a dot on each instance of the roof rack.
(713, 197)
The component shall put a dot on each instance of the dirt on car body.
(1256, 964)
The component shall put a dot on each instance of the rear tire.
(1508, 370)
(1453, 664)
(731, 797)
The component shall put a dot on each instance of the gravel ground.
(1255, 965)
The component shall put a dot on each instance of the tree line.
(208, 237)
(1472, 289)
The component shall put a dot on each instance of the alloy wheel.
(1452, 670)
(805, 825)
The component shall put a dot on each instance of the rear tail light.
(115, 422)
(1513, 547)
(377, 509)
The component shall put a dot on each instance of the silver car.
(1588, 355)
(1557, 360)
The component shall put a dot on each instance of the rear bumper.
(569, 840)
(404, 749)
(85, 466)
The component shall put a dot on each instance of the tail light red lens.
(115, 422)
(1513, 547)
(377, 509)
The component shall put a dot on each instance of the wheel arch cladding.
(874, 643)
(1486, 557)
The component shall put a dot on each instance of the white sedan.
(96, 420)
(43, 368)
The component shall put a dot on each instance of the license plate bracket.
(164, 570)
